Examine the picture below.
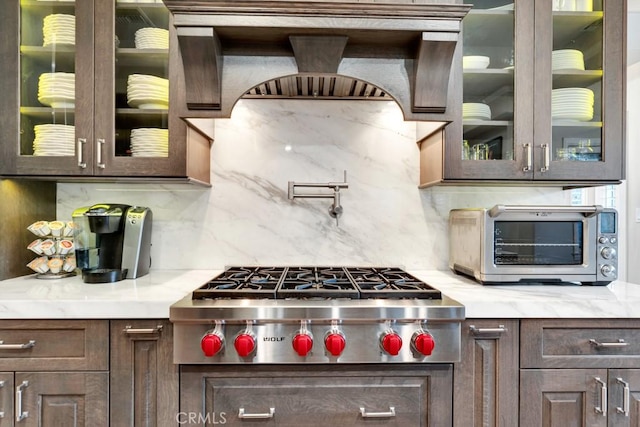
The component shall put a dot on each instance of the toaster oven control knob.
(245, 344)
(608, 270)
(302, 344)
(212, 343)
(423, 343)
(391, 343)
(335, 343)
(608, 252)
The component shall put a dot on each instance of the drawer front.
(580, 344)
(339, 399)
(54, 345)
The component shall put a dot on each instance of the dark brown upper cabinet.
(71, 108)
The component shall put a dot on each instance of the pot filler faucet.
(335, 210)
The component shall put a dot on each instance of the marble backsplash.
(245, 218)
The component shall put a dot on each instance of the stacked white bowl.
(573, 103)
(147, 92)
(567, 59)
(475, 62)
(149, 142)
(57, 90)
(476, 111)
(54, 140)
(152, 38)
(59, 28)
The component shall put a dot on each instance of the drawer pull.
(263, 416)
(602, 409)
(142, 331)
(19, 414)
(486, 331)
(616, 344)
(4, 346)
(625, 398)
(391, 413)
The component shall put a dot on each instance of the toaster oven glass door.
(538, 243)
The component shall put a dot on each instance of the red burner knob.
(391, 343)
(245, 344)
(302, 344)
(424, 343)
(335, 343)
(211, 344)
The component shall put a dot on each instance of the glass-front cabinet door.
(542, 92)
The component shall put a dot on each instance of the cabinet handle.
(625, 398)
(29, 344)
(616, 344)
(142, 331)
(244, 416)
(602, 409)
(487, 331)
(19, 414)
(529, 157)
(391, 413)
(99, 143)
(546, 157)
(1, 412)
(80, 148)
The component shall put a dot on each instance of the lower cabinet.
(144, 380)
(317, 395)
(580, 373)
(54, 373)
(486, 378)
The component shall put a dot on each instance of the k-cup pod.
(39, 228)
(55, 265)
(35, 246)
(69, 229)
(65, 246)
(48, 247)
(56, 228)
(69, 264)
(39, 265)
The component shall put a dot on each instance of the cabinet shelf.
(150, 58)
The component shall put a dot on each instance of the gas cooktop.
(307, 282)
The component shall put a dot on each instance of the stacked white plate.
(54, 140)
(57, 90)
(152, 38)
(476, 111)
(149, 142)
(147, 92)
(567, 59)
(59, 28)
(475, 62)
(573, 103)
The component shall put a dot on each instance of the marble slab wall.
(245, 218)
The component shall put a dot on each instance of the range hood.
(318, 49)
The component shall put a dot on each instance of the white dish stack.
(149, 142)
(54, 140)
(475, 62)
(476, 111)
(59, 28)
(573, 103)
(152, 38)
(57, 90)
(567, 59)
(147, 92)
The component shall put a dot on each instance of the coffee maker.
(113, 242)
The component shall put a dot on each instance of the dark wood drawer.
(54, 345)
(580, 344)
(342, 398)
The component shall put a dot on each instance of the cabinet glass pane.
(488, 89)
(47, 78)
(576, 99)
(142, 85)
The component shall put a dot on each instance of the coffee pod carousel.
(55, 249)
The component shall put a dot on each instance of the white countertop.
(151, 296)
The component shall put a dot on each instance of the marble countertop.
(151, 296)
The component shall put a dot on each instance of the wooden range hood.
(403, 50)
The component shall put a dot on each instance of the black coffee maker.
(113, 242)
